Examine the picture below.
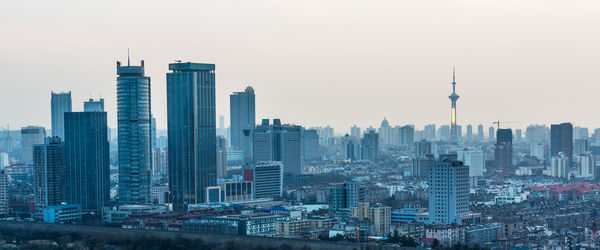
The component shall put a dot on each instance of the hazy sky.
(315, 62)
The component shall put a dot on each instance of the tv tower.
(453, 97)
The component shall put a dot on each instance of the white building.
(587, 165)
(3, 160)
(558, 166)
(474, 159)
(448, 184)
(538, 150)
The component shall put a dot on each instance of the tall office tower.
(473, 158)
(453, 98)
(87, 160)
(49, 174)
(538, 150)
(580, 146)
(537, 134)
(350, 148)
(518, 135)
(3, 193)
(93, 105)
(422, 148)
(561, 140)
(3, 160)
(385, 133)
(580, 133)
(310, 145)
(480, 132)
(491, 133)
(503, 150)
(267, 177)
(242, 115)
(279, 142)
(559, 166)
(448, 182)
(407, 135)
(355, 131)
(430, 132)
(135, 144)
(31, 136)
(370, 146)
(221, 157)
(469, 132)
(587, 165)
(61, 103)
(444, 133)
(422, 164)
(153, 131)
(191, 132)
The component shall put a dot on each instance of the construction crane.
(497, 123)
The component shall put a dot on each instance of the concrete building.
(587, 165)
(473, 158)
(503, 150)
(60, 103)
(538, 150)
(448, 184)
(370, 146)
(3, 193)
(87, 160)
(134, 134)
(4, 160)
(277, 142)
(344, 195)
(355, 131)
(561, 140)
(94, 105)
(310, 145)
(267, 178)
(242, 115)
(63, 214)
(351, 148)
(559, 166)
(380, 216)
(30, 136)
(49, 174)
(191, 132)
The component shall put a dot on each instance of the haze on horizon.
(315, 63)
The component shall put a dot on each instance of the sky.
(315, 63)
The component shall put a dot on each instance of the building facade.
(277, 142)
(448, 182)
(49, 174)
(242, 115)
(30, 136)
(60, 103)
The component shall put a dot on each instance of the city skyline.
(403, 65)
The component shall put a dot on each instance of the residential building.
(448, 182)
(49, 174)
(30, 136)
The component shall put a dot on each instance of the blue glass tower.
(191, 132)
(61, 103)
(242, 115)
(87, 160)
(133, 114)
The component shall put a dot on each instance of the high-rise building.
(422, 165)
(444, 133)
(538, 150)
(537, 134)
(407, 135)
(135, 144)
(561, 140)
(159, 166)
(279, 142)
(93, 105)
(518, 135)
(30, 136)
(61, 103)
(3, 193)
(221, 162)
(473, 158)
(355, 131)
(469, 132)
(422, 148)
(503, 150)
(370, 146)
(380, 216)
(3, 160)
(242, 115)
(49, 174)
(587, 165)
(480, 132)
(87, 160)
(448, 182)
(580, 146)
(310, 145)
(559, 166)
(153, 131)
(267, 177)
(344, 195)
(430, 132)
(191, 132)
(491, 133)
(453, 98)
(350, 148)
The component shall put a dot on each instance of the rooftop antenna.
(127, 56)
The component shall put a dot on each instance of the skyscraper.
(561, 140)
(192, 135)
(133, 115)
(503, 150)
(30, 136)
(49, 174)
(491, 133)
(480, 132)
(310, 145)
(448, 182)
(355, 131)
(370, 146)
(453, 98)
(242, 115)
(87, 160)
(61, 103)
(279, 142)
(93, 105)
(473, 158)
(469, 132)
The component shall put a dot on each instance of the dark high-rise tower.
(49, 174)
(61, 103)
(133, 114)
(503, 150)
(453, 97)
(242, 115)
(561, 140)
(87, 160)
(192, 135)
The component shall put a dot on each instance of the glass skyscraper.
(87, 160)
(242, 115)
(60, 103)
(133, 114)
(49, 174)
(191, 132)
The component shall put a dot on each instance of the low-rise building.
(447, 235)
(63, 214)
